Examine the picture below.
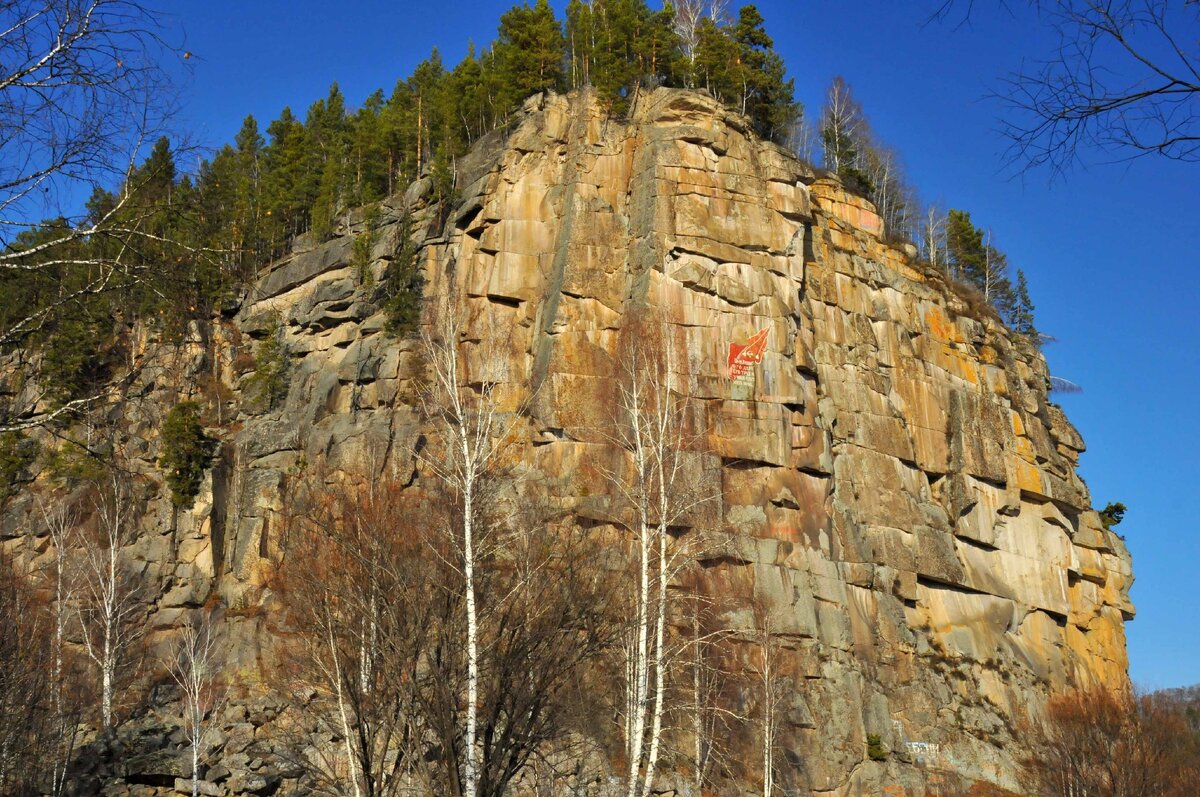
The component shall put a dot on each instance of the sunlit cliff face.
(890, 485)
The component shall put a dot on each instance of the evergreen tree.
(399, 133)
(766, 97)
(248, 235)
(1021, 319)
(715, 64)
(186, 452)
(580, 41)
(426, 85)
(286, 180)
(403, 284)
(468, 95)
(529, 51)
(368, 161)
(964, 248)
(327, 131)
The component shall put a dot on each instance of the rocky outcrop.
(896, 485)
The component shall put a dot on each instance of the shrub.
(267, 384)
(78, 355)
(875, 749)
(71, 464)
(403, 285)
(186, 452)
(1112, 515)
(17, 452)
(364, 244)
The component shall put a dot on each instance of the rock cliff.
(894, 481)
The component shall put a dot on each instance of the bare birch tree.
(842, 128)
(465, 408)
(771, 687)
(363, 596)
(62, 525)
(893, 197)
(688, 15)
(996, 285)
(932, 236)
(660, 485)
(110, 610)
(26, 715)
(718, 11)
(711, 719)
(195, 668)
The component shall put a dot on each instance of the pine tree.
(580, 41)
(715, 64)
(287, 179)
(426, 85)
(964, 248)
(467, 93)
(1021, 319)
(248, 238)
(529, 51)
(398, 122)
(368, 162)
(328, 152)
(766, 97)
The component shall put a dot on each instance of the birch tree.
(62, 524)
(195, 669)
(110, 609)
(771, 687)
(842, 127)
(365, 601)
(688, 15)
(932, 238)
(26, 716)
(468, 416)
(893, 197)
(707, 681)
(660, 486)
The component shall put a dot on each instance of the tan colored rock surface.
(895, 483)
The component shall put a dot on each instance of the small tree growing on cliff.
(186, 452)
(1112, 515)
(267, 384)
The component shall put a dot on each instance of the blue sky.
(1111, 252)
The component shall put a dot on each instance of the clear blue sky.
(1112, 253)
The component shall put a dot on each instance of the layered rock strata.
(895, 487)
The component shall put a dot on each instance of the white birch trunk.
(341, 701)
(469, 769)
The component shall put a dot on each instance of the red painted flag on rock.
(743, 357)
